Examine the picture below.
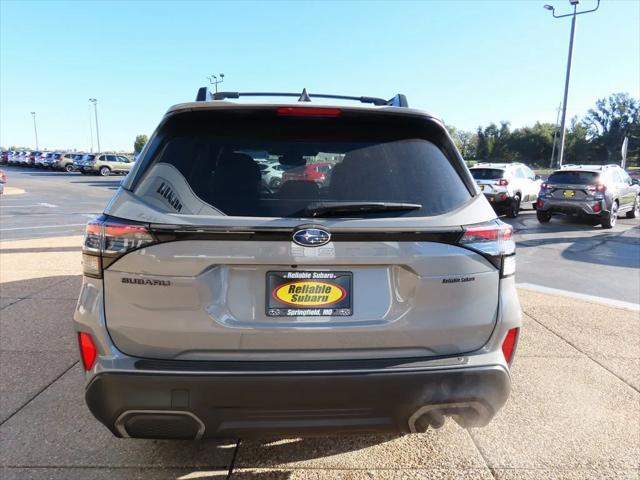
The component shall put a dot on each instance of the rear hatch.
(571, 185)
(488, 178)
(208, 262)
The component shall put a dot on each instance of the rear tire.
(610, 220)
(105, 171)
(635, 211)
(68, 168)
(543, 217)
(514, 208)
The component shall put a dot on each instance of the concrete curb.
(580, 296)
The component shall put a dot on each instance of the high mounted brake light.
(494, 241)
(308, 112)
(107, 240)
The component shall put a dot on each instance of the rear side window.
(574, 177)
(211, 167)
(487, 173)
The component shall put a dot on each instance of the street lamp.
(213, 80)
(95, 108)
(35, 129)
(566, 81)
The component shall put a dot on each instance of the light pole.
(90, 129)
(555, 135)
(35, 129)
(213, 80)
(566, 81)
(95, 109)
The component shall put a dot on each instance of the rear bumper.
(198, 405)
(573, 207)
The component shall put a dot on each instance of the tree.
(139, 144)
(493, 143)
(610, 121)
(465, 142)
(532, 145)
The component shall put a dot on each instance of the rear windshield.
(574, 177)
(213, 167)
(486, 173)
(57, 155)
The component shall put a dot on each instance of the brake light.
(88, 350)
(107, 240)
(308, 112)
(503, 182)
(494, 241)
(509, 344)
(544, 186)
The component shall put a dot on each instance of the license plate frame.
(301, 293)
(569, 193)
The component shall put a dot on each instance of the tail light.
(503, 182)
(494, 241)
(509, 344)
(597, 188)
(88, 350)
(106, 240)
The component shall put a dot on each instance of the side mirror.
(635, 181)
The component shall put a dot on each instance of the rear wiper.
(327, 209)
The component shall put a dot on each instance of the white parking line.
(580, 296)
(48, 205)
(43, 226)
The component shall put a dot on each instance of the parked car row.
(86, 163)
(598, 192)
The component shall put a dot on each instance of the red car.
(315, 172)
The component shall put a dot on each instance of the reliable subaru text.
(380, 297)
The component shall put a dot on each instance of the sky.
(470, 62)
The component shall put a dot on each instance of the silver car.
(214, 305)
(599, 192)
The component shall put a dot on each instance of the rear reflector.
(308, 112)
(509, 344)
(88, 351)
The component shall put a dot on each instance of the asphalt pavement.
(566, 254)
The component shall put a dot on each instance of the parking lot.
(574, 411)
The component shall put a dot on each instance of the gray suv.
(380, 298)
(599, 192)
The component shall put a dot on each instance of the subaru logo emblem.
(311, 237)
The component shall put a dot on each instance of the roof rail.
(204, 95)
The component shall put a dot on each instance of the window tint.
(198, 172)
(111, 158)
(487, 173)
(574, 177)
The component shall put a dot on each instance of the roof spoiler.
(205, 95)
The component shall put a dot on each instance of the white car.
(271, 173)
(507, 185)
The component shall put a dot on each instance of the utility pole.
(95, 109)
(35, 129)
(566, 81)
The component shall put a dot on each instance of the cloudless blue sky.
(471, 62)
